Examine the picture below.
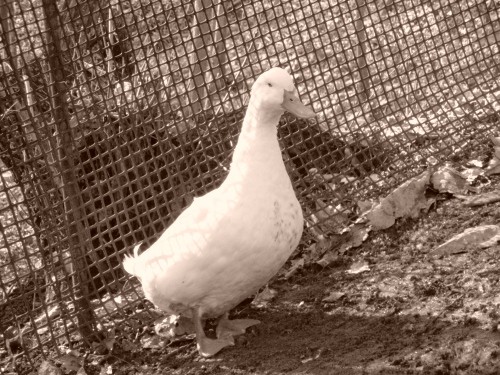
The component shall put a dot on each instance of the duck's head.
(274, 91)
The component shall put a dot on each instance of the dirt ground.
(406, 313)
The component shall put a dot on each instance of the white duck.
(231, 241)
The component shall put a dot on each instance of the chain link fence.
(114, 115)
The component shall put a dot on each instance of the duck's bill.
(292, 104)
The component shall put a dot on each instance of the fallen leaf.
(406, 201)
(109, 342)
(494, 164)
(172, 326)
(333, 297)
(490, 242)
(96, 359)
(128, 346)
(493, 167)
(358, 233)
(358, 267)
(48, 368)
(480, 236)
(365, 206)
(316, 353)
(329, 258)
(448, 180)
(475, 163)
(296, 265)
(154, 342)
(106, 370)
(263, 298)
(42, 320)
(471, 174)
(69, 362)
(482, 199)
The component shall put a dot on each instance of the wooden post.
(209, 55)
(220, 31)
(67, 179)
(360, 51)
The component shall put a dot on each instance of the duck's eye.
(270, 85)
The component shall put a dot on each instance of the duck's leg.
(230, 328)
(208, 347)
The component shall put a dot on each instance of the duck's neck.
(258, 149)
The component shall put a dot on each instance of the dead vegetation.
(154, 105)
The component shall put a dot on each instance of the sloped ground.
(407, 312)
(386, 307)
(398, 310)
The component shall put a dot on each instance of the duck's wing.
(186, 237)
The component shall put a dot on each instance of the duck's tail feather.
(131, 262)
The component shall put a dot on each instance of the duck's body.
(231, 241)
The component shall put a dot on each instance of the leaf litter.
(377, 290)
(387, 287)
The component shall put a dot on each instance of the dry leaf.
(263, 298)
(333, 297)
(406, 201)
(471, 174)
(70, 362)
(173, 325)
(365, 206)
(106, 370)
(477, 164)
(48, 368)
(493, 167)
(296, 265)
(494, 164)
(128, 346)
(328, 259)
(449, 180)
(358, 233)
(109, 342)
(490, 242)
(154, 342)
(482, 236)
(482, 199)
(358, 267)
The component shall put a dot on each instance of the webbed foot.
(227, 327)
(209, 347)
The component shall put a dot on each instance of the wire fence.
(114, 115)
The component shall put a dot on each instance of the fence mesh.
(114, 115)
